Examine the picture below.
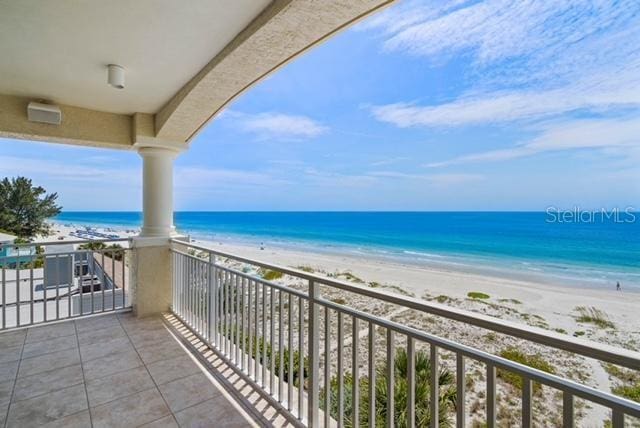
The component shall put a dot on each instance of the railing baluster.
(290, 343)
(113, 282)
(340, 370)
(527, 390)
(313, 395)
(391, 378)
(272, 362)
(372, 375)
(124, 276)
(239, 324)
(460, 390)
(411, 383)
(434, 386)
(355, 373)
(18, 290)
(4, 298)
(250, 328)
(567, 410)
(264, 382)
(243, 335)
(104, 282)
(81, 283)
(300, 358)
(257, 337)
(327, 366)
(617, 418)
(32, 262)
(280, 347)
(491, 396)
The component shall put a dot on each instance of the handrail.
(586, 348)
(84, 241)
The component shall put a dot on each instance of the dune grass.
(532, 360)
(593, 315)
(477, 295)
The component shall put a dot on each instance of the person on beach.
(618, 287)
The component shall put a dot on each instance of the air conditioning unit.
(44, 113)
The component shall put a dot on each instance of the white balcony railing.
(316, 358)
(57, 280)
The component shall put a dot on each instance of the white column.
(157, 191)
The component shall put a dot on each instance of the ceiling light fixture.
(115, 76)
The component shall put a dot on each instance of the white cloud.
(435, 179)
(529, 60)
(616, 136)
(79, 172)
(278, 125)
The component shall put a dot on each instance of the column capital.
(144, 136)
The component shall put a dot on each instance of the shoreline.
(519, 270)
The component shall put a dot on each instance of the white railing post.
(313, 396)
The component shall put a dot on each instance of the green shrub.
(532, 360)
(632, 392)
(307, 269)
(446, 399)
(270, 275)
(477, 295)
(594, 316)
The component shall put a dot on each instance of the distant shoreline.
(575, 277)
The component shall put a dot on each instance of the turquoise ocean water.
(596, 251)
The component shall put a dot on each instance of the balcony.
(237, 348)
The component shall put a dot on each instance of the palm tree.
(447, 398)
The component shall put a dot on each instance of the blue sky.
(458, 105)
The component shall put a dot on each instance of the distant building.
(10, 255)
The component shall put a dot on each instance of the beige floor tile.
(130, 411)
(103, 349)
(10, 339)
(121, 384)
(160, 351)
(10, 354)
(47, 332)
(175, 368)
(3, 413)
(101, 335)
(46, 382)
(166, 422)
(43, 363)
(37, 411)
(6, 389)
(77, 420)
(8, 370)
(211, 413)
(111, 364)
(49, 346)
(186, 392)
(151, 337)
(96, 323)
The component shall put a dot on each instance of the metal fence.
(319, 358)
(50, 281)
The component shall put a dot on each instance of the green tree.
(24, 208)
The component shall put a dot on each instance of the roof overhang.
(184, 62)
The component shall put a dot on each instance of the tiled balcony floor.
(121, 371)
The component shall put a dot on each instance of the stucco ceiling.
(58, 50)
